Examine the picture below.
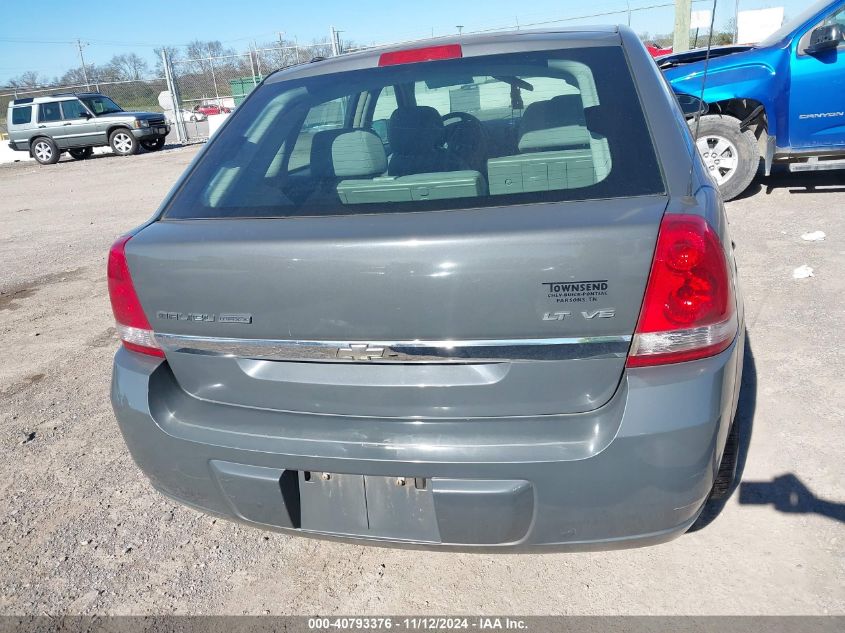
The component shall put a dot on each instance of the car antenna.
(701, 96)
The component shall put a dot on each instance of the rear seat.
(358, 157)
(557, 151)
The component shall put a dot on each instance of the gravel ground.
(81, 530)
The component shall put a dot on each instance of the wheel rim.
(720, 156)
(43, 151)
(122, 142)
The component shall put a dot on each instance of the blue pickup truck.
(782, 100)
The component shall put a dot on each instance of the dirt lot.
(81, 530)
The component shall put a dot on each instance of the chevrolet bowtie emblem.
(360, 351)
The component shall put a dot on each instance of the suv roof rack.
(23, 100)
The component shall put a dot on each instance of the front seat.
(416, 136)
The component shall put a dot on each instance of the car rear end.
(460, 295)
(20, 123)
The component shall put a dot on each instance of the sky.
(45, 40)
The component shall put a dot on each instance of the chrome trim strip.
(445, 351)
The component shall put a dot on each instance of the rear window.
(21, 115)
(473, 132)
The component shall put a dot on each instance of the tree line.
(722, 36)
(197, 58)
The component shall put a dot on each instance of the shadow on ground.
(787, 493)
(832, 181)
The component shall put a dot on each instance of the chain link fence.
(206, 86)
(191, 89)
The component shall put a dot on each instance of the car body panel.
(626, 475)
(211, 108)
(461, 451)
(803, 95)
(658, 51)
(473, 274)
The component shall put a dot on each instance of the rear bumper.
(635, 472)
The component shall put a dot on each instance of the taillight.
(427, 54)
(689, 307)
(132, 325)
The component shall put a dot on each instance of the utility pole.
(181, 133)
(82, 61)
(257, 57)
(683, 15)
(334, 42)
(736, 22)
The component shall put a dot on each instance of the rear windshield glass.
(472, 132)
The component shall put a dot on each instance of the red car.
(211, 108)
(657, 51)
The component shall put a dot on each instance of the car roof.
(58, 96)
(471, 46)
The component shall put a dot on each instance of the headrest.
(358, 154)
(569, 107)
(321, 153)
(552, 124)
(415, 130)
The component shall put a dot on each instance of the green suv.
(76, 123)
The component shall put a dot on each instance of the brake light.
(689, 308)
(132, 325)
(427, 54)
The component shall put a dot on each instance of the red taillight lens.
(132, 324)
(427, 54)
(689, 308)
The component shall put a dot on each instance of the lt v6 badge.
(587, 314)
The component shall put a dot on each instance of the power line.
(589, 16)
(16, 40)
(98, 42)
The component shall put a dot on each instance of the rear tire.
(153, 145)
(81, 153)
(44, 151)
(123, 142)
(732, 157)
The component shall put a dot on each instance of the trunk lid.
(471, 313)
